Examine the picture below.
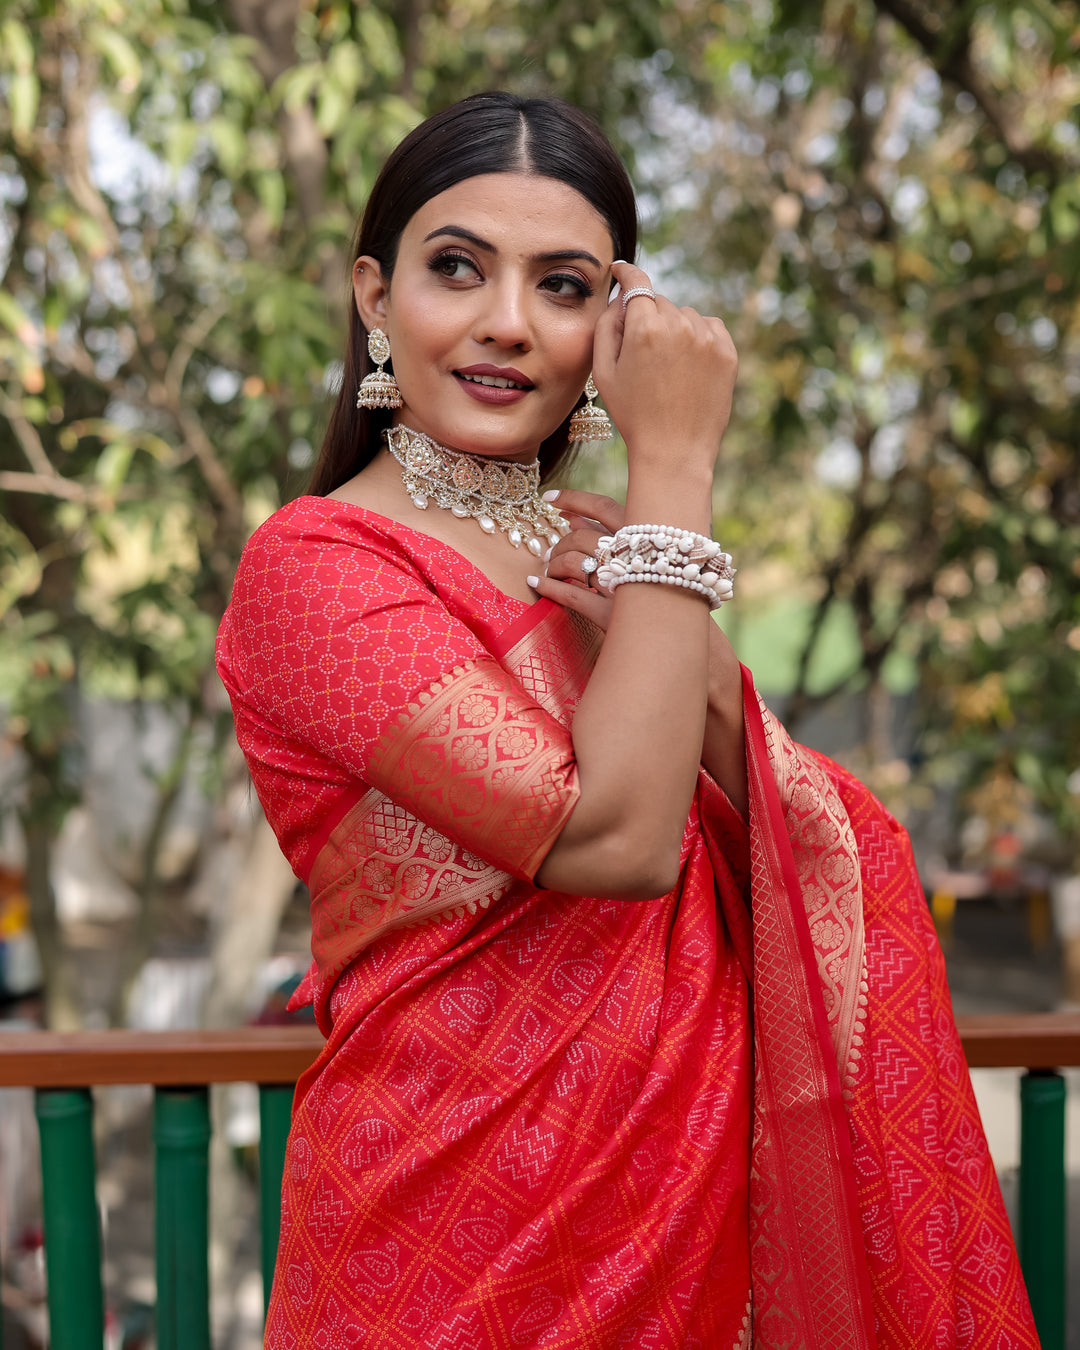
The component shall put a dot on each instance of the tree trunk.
(62, 1008)
(248, 928)
(141, 944)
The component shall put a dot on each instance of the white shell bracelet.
(665, 555)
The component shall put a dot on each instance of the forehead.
(516, 212)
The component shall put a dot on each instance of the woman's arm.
(723, 752)
(667, 377)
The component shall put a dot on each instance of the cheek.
(575, 353)
(423, 329)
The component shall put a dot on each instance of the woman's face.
(502, 277)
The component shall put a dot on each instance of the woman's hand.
(667, 377)
(589, 516)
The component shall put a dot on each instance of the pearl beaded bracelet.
(665, 555)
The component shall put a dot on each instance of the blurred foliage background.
(880, 196)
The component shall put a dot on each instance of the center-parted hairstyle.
(494, 132)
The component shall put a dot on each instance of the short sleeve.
(343, 646)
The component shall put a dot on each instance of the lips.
(494, 377)
(492, 393)
(492, 381)
(493, 384)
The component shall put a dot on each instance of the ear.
(370, 292)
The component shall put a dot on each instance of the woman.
(637, 1031)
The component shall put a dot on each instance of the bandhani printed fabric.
(737, 1115)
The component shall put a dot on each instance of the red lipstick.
(492, 393)
(499, 372)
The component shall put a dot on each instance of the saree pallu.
(737, 1115)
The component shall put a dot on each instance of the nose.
(503, 320)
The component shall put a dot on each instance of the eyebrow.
(559, 255)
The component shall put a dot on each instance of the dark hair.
(494, 132)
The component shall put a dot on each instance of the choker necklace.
(496, 493)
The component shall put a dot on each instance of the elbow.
(644, 887)
(633, 873)
(613, 865)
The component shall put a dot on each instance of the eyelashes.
(443, 261)
(581, 286)
(438, 264)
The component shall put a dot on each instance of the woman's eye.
(563, 284)
(452, 265)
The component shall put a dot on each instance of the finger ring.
(627, 296)
(589, 566)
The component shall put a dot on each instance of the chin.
(480, 432)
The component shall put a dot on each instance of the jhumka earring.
(590, 423)
(379, 389)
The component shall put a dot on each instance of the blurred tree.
(880, 194)
(884, 195)
(178, 183)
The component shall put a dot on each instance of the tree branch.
(75, 154)
(950, 54)
(272, 23)
(45, 485)
(66, 489)
(28, 438)
(193, 336)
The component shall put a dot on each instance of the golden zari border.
(382, 869)
(477, 758)
(804, 1224)
(488, 758)
(553, 660)
(830, 879)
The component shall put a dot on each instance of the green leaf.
(23, 95)
(229, 143)
(380, 44)
(293, 89)
(271, 190)
(237, 74)
(333, 103)
(1064, 217)
(119, 53)
(346, 67)
(14, 317)
(113, 464)
(181, 138)
(15, 43)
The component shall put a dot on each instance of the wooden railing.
(180, 1066)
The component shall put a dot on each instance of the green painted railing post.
(181, 1219)
(1042, 1200)
(275, 1117)
(72, 1234)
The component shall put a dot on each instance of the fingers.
(628, 275)
(607, 343)
(577, 598)
(567, 567)
(667, 377)
(590, 505)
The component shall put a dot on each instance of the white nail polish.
(547, 555)
(550, 495)
(532, 581)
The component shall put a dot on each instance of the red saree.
(737, 1115)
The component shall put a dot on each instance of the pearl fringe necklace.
(497, 494)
